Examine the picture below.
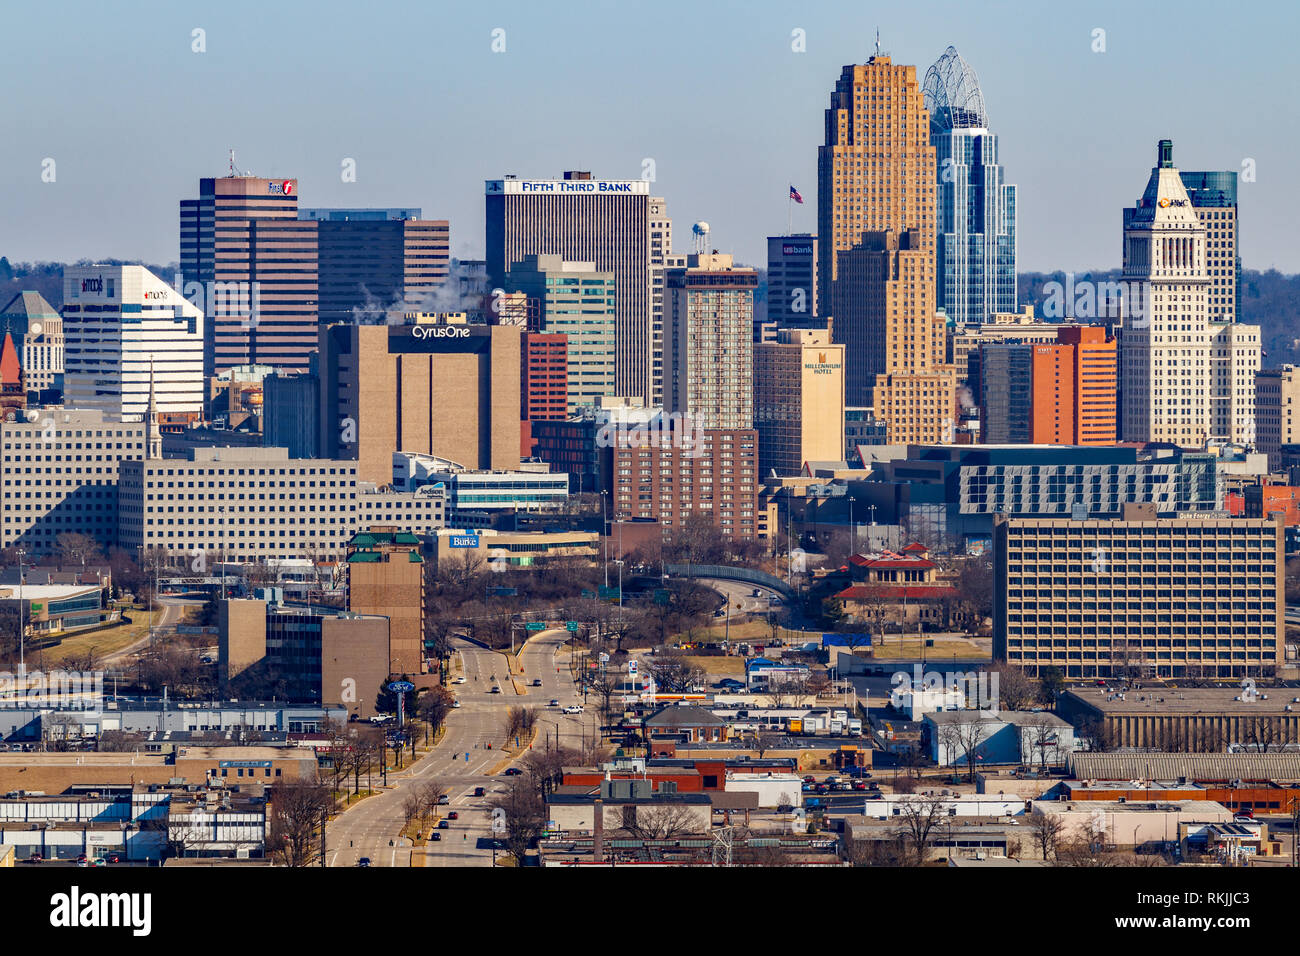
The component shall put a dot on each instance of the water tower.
(700, 238)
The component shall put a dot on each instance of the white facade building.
(119, 323)
(1186, 379)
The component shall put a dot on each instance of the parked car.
(822, 788)
(859, 785)
(458, 680)
(810, 779)
(555, 702)
(455, 703)
(496, 689)
(479, 791)
(453, 815)
(364, 861)
(573, 709)
(435, 835)
(537, 682)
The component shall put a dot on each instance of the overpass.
(728, 573)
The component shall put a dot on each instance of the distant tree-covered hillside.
(47, 277)
(1269, 299)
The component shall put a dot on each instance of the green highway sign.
(535, 626)
(570, 625)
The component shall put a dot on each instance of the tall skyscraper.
(574, 299)
(876, 233)
(125, 328)
(1187, 379)
(606, 222)
(661, 247)
(976, 210)
(369, 259)
(792, 282)
(1214, 197)
(253, 262)
(708, 345)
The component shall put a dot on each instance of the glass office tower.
(976, 210)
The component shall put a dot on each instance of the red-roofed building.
(897, 586)
(13, 393)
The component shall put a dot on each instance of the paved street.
(366, 828)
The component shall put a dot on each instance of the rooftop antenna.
(233, 170)
(877, 54)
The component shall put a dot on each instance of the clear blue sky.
(711, 91)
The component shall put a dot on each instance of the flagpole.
(789, 212)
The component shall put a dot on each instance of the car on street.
(364, 861)
(444, 824)
(479, 791)
(496, 689)
(458, 680)
(513, 771)
(755, 593)
(435, 835)
(453, 815)
(573, 709)
(555, 702)
(537, 682)
(455, 703)
(443, 799)
(810, 779)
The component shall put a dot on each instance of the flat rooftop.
(1178, 700)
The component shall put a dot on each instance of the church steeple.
(153, 438)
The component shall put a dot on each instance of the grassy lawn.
(719, 666)
(103, 642)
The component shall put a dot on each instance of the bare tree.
(919, 818)
(523, 816)
(297, 810)
(660, 821)
(1016, 689)
(962, 737)
(1046, 830)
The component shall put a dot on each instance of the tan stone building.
(876, 226)
(386, 577)
(1140, 596)
(798, 400)
(437, 389)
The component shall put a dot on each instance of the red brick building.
(671, 474)
(1264, 500)
(543, 383)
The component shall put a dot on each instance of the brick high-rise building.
(708, 342)
(876, 250)
(445, 390)
(250, 265)
(543, 383)
(386, 577)
(669, 476)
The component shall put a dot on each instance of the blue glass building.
(975, 208)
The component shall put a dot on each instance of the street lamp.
(22, 628)
(604, 529)
(853, 528)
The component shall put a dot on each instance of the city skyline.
(1076, 122)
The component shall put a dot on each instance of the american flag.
(794, 194)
